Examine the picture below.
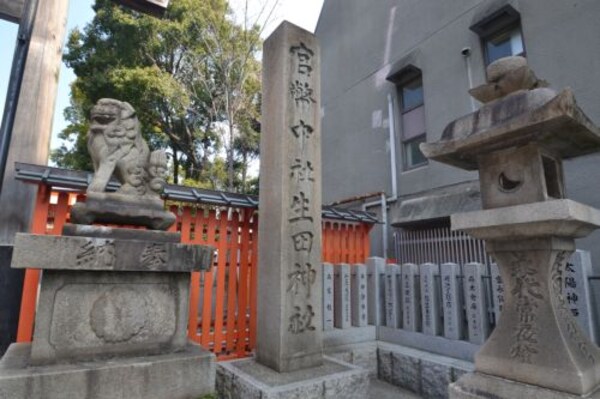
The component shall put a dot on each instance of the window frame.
(506, 29)
(403, 111)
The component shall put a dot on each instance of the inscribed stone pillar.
(475, 302)
(327, 296)
(392, 302)
(376, 268)
(452, 303)
(290, 319)
(411, 305)
(430, 299)
(342, 317)
(359, 295)
(577, 290)
(497, 290)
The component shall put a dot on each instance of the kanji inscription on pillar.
(290, 279)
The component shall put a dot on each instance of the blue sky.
(303, 13)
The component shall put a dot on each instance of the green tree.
(192, 76)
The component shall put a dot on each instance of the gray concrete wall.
(362, 41)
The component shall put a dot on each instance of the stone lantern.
(517, 141)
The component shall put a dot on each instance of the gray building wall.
(363, 41)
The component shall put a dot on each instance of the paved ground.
(383, 390)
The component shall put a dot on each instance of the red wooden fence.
(222, 315)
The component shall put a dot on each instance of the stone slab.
(327, 296)
(183, 375)
(577, 290)
(393, 310)
(452, 302)
(498, 291)
(483, 386)
(411, 297)
(107, 254)
(95, 315)
(347, 336)
(247, 379)
(556, 218)
(430, 294)
(375, 271)
(84, 230)
(419, 371)
(475, 302)
(358, 296)
(114, 208)
(342, 302)
(462, 350)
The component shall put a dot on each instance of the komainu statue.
(117, 149)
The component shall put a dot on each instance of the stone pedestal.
(247, 379)
(187, 374)
(112, 318)
(481, 386)
(537, 341)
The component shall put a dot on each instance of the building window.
(500, 33)
(413, 121)
(503, 44)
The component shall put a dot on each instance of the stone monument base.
(184, 375)
(247, 379)
(122, 209)
(483, 386)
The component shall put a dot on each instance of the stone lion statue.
(116, 147)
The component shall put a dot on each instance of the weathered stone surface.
(482, 386)
(518, 143)
(114, 208)
(187, 374)
(107, 254)
(506, 75)
(406, 372)
(434, 380)
(539, 341)
(537, 115)
(333, 379)
(503, 66)
(420, 371)
(384, 365)
(83, 230)
(290, 286)
(556, 218)
(90, 315)
(116, 147)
